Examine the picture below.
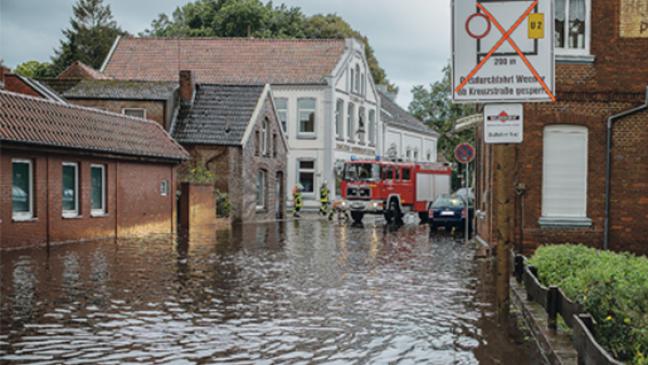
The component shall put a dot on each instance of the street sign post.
(503, 123)
(465, 154)
(502, 51)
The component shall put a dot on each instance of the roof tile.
(34, 121)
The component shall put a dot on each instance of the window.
(274, 145)
(282, 111)
(429, 155)
(363, 89)
(164, 188)
(361, 125)
(352, 80)
(306, 113)
(350, 123)
(135, 112)
(306, 175)
(564, 180)
(339, 114)
(98, 189)
(572, 26)
(408, 154)
(264, 137)
(261, 190)
(70, 189)
(406, 174)
(416, 154)
(388, 173)
(22, 190)
(372, 127)
(357, 79)
(257, 144)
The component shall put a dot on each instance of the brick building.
(69, 173)
(561, 195)
(234, 131)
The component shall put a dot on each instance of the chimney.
(187, 86)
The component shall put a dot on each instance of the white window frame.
(313, 170)
(124, 110)
(352, 83)
(24, 216)
(284, 111)
(264, 137)
(357, 80)
(102, 211)
(372, 127)
(300, 133)
(549, 217)
(339, 119)
(350, 124)
(164, 187)
(263, 191)
(566, 51)
(75, 212)
(362, 117)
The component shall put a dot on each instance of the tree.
(251, 18)
(35, 69)
(434, 106)
(90, 36)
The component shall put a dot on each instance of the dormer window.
(573, 27)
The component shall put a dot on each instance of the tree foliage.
(35, 69)
(253, 18)
(434, 106)
(90, 36)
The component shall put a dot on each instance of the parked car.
(449, 212)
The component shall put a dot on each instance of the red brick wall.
(133, 203)
(588, 93)
(629, 196)
(14, 84)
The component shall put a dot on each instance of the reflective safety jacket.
(297, 196)
(324, 194)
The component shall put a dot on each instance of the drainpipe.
(608, 167)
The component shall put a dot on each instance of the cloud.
(411, 38)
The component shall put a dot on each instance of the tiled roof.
(122, 89)
(225, 60)
(219, 115)
(79, 70)
(393, 115)
(34, 121)
(58, 85)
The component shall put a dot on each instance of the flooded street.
(293, 292)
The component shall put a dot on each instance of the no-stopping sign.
(503, 51)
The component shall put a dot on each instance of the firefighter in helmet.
(298, 200)
(325, 200)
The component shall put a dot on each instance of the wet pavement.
(292, 292)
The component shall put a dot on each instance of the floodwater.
(286, 293)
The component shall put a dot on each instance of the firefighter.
(325, 200)
(297, 199)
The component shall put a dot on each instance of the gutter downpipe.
(608, 167)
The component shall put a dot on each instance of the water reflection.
(296, 292)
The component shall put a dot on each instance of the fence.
(556, 302)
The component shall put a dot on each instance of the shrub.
(612, 287)
(199, 175)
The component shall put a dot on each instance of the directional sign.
(465, 153)
(503, 123)
(503, 51)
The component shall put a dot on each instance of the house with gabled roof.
(323, 92)
(70, 173)
(234, 132)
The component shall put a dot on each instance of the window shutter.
(564, 193)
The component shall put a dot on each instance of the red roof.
(34, 121)
(225, 60)
(79, 70)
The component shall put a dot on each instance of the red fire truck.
(393, 188)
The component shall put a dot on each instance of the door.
(279, 196)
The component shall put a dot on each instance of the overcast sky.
(411, 37)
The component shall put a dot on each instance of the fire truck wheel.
(424, 217)
(357, 216)
(395, 212)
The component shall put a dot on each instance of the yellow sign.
(634, 19)
(536, 26)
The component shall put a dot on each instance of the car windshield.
(447, 202)
(361, 172)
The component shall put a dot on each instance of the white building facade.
(329, 124)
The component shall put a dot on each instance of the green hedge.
(612, 287)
